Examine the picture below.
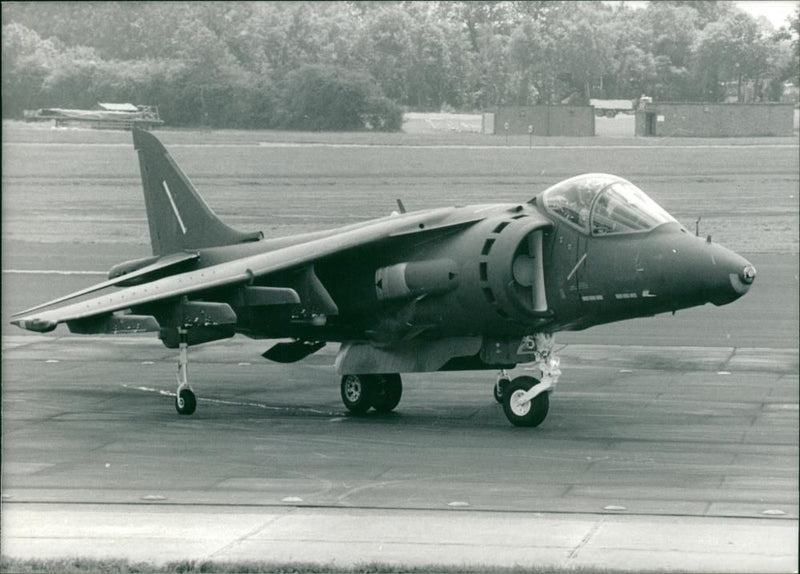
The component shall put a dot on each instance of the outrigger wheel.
(185, 401)
(528, 413)
(381, 392)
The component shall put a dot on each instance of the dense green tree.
(233, 63)
(27, 62)
(333, 98)
(732, 49)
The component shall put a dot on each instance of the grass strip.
(95, 566)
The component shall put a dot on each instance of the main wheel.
(530, 414)
(386, 392)
(185, 402)
(356, 393)
(499, 389)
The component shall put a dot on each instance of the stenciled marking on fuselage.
(626, 296)
(174, 207)
(592, 298)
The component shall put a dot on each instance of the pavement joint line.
(432, 509)
(585, 540)
(725, 363)
(246, 536)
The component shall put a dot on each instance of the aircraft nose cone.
(739, 275)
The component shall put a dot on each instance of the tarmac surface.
(671, 443)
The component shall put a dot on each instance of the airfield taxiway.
(664, 454)
(672, 442)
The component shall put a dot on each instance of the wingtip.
(38, 325)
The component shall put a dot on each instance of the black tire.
(499, 389)
(355, 390)
(611, 113)
(531, 414)
(385, 392)
(189, 402)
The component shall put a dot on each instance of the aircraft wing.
(160, 264)
(243, 270)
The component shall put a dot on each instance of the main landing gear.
(362, 392)
(526, 399)
(185, 400)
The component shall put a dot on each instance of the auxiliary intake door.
(528, 270)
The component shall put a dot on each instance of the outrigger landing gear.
(525, 399)
(381, 392)
(185, 400)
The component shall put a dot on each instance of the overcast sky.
(776, 11)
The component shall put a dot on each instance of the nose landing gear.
(525, 399)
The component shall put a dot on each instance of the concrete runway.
(671, 443)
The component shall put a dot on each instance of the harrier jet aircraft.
(455, 288)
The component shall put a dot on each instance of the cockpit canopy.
(603, 204)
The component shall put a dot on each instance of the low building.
(679, 119)
(104, 116)
(541, 120)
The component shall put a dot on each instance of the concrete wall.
(546, 120)
(714, 120)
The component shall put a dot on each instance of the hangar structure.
(543, 120)
(714, 120)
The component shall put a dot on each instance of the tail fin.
(178, 217)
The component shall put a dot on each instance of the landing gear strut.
(362, 392)
(503, 380)
(185, 400)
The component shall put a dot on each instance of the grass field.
(82, 186)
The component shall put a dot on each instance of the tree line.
(353, 65)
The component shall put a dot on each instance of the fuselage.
(511, 270)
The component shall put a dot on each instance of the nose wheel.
(521, 410)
